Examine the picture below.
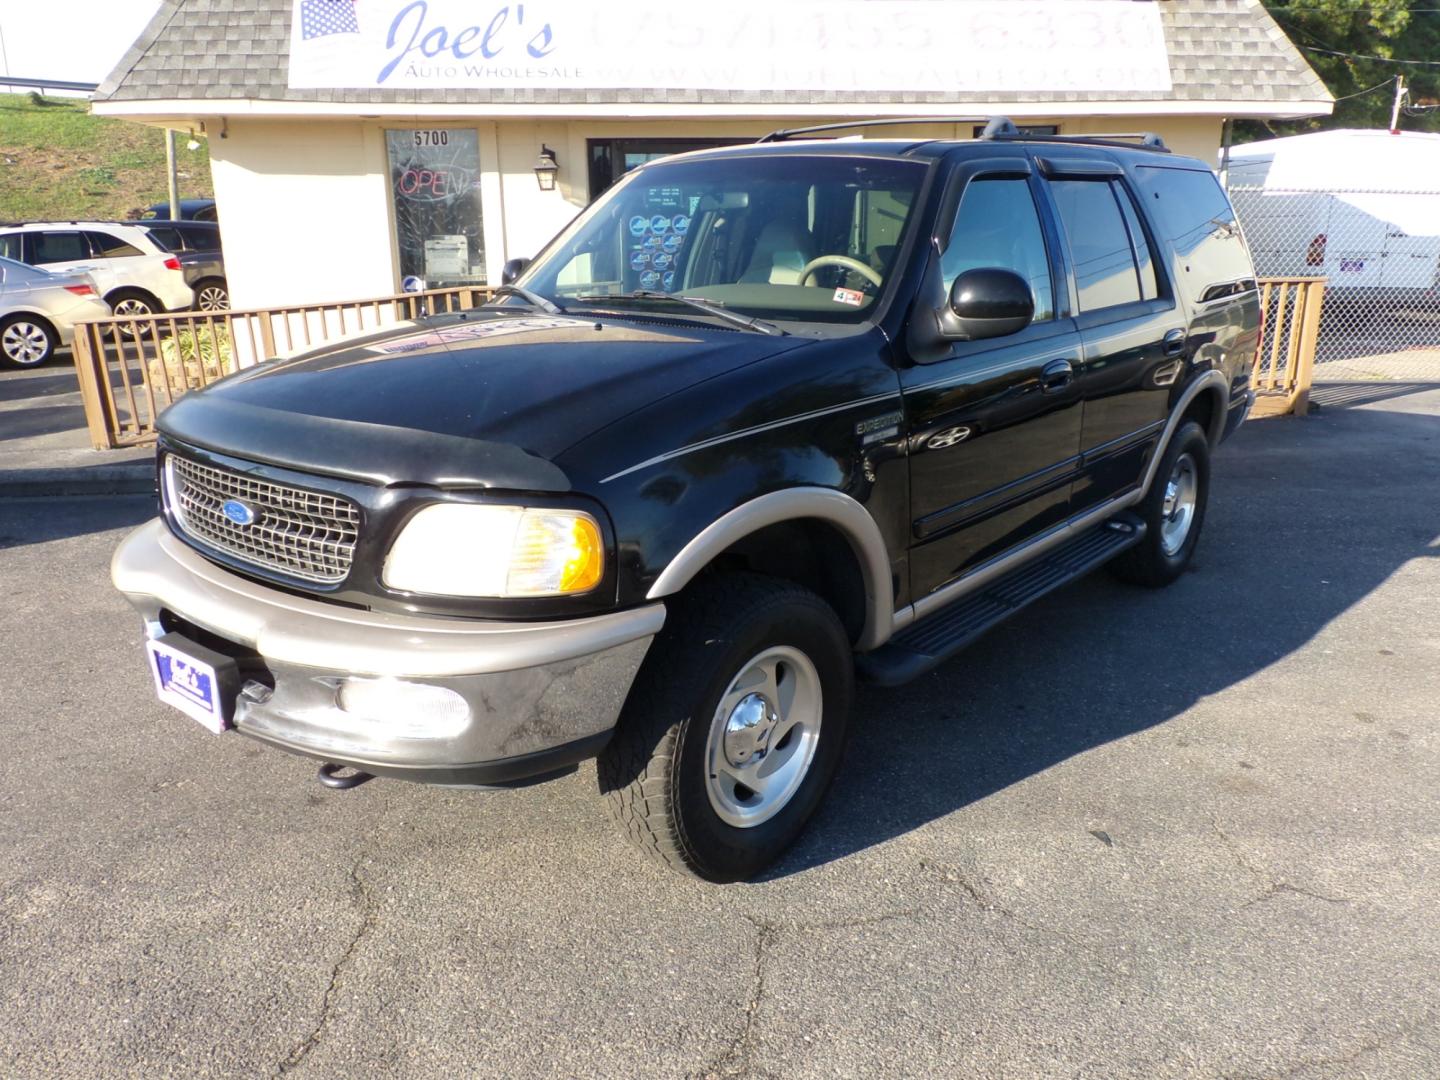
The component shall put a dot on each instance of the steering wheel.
(840, 260)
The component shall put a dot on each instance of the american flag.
(325, 18)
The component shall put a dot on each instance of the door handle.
(1056, 376)
(1174, 343)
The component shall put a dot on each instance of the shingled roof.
(225, 50)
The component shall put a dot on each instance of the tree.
(1387, 29)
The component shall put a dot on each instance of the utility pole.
(1399, 100)
(170, 173)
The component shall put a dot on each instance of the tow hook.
(329, 775)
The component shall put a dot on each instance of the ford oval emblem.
(238, 512)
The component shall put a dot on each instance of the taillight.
(172, 263)
(80, 290)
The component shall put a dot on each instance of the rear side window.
(1100, 251)
(54, 247)
(1193, 214)
(1144, 258)
(10, 247)
(199, 238)
(167, 237)
(997, 225)
(112, 247)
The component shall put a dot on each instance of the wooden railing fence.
(131, 368)
(1285, 361)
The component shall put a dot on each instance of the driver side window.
(997, 225)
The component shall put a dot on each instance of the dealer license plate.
(190, 684)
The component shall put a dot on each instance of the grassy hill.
(58, 162)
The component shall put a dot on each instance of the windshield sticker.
(638, 226)
(853, 297)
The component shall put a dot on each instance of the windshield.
(803, 237)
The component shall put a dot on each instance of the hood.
(485, 398)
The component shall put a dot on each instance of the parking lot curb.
(137, 478)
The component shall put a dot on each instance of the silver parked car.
(39, 310)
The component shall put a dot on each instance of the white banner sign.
(950, 46)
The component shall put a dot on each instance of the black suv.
(760, 420)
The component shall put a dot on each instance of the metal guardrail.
(1285, 361)
(131, 368)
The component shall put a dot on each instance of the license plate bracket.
(200, 682)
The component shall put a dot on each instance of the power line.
(1358, 93)
(1364, 56)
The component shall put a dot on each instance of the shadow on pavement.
(37, 520)
(1346, 395)
(1307, 517)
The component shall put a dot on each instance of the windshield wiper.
(534, 299)
(709, 307)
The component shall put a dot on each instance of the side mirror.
(986, 303)
(512, 270)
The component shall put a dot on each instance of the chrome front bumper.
(540, 695)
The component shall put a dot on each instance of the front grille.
(295, 532)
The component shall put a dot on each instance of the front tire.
(25, 341)
(212, 294)
(734, 729)
(1173, 511)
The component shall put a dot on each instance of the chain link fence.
(1379, 252)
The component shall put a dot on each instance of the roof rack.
(997, 128)
(790, 133)
(1129, 140)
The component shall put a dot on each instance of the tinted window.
(112, 247)
(1193, 214)
(206, 213)
(167, 237)
(199, 237)
(1100, 251)
(997, 225)
(54, 247)
(10, 246)
(1143, 256)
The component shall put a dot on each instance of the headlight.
(501, 551)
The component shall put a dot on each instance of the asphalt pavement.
(1130, 834)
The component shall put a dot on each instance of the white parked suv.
(131, 271)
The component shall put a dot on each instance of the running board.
(925, 645)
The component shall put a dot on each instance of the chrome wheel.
(131, 306)
(1177, 511)
(213, 298)
(25, 343)
(763, 737)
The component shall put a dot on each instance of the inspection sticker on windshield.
(853, 297)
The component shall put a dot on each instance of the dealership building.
(355, 143)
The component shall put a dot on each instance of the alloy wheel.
(25, 343)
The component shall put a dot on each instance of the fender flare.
(796, 504)
(1212, 381)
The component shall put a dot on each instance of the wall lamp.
(546, 166)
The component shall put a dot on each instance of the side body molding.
(795, 504)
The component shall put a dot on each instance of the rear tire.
(212, 294)
(1173, 511)
(26, 341)
(751, 679)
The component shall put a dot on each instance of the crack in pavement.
(369, 910)
(1273, 885)
(736, 1060)
(1347, 1058)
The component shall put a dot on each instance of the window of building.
(997, 225)
(1100, 251)
(435, 188)
(610, 159)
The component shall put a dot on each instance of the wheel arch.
(814, 512)
(122, 291)
(1206, 398)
